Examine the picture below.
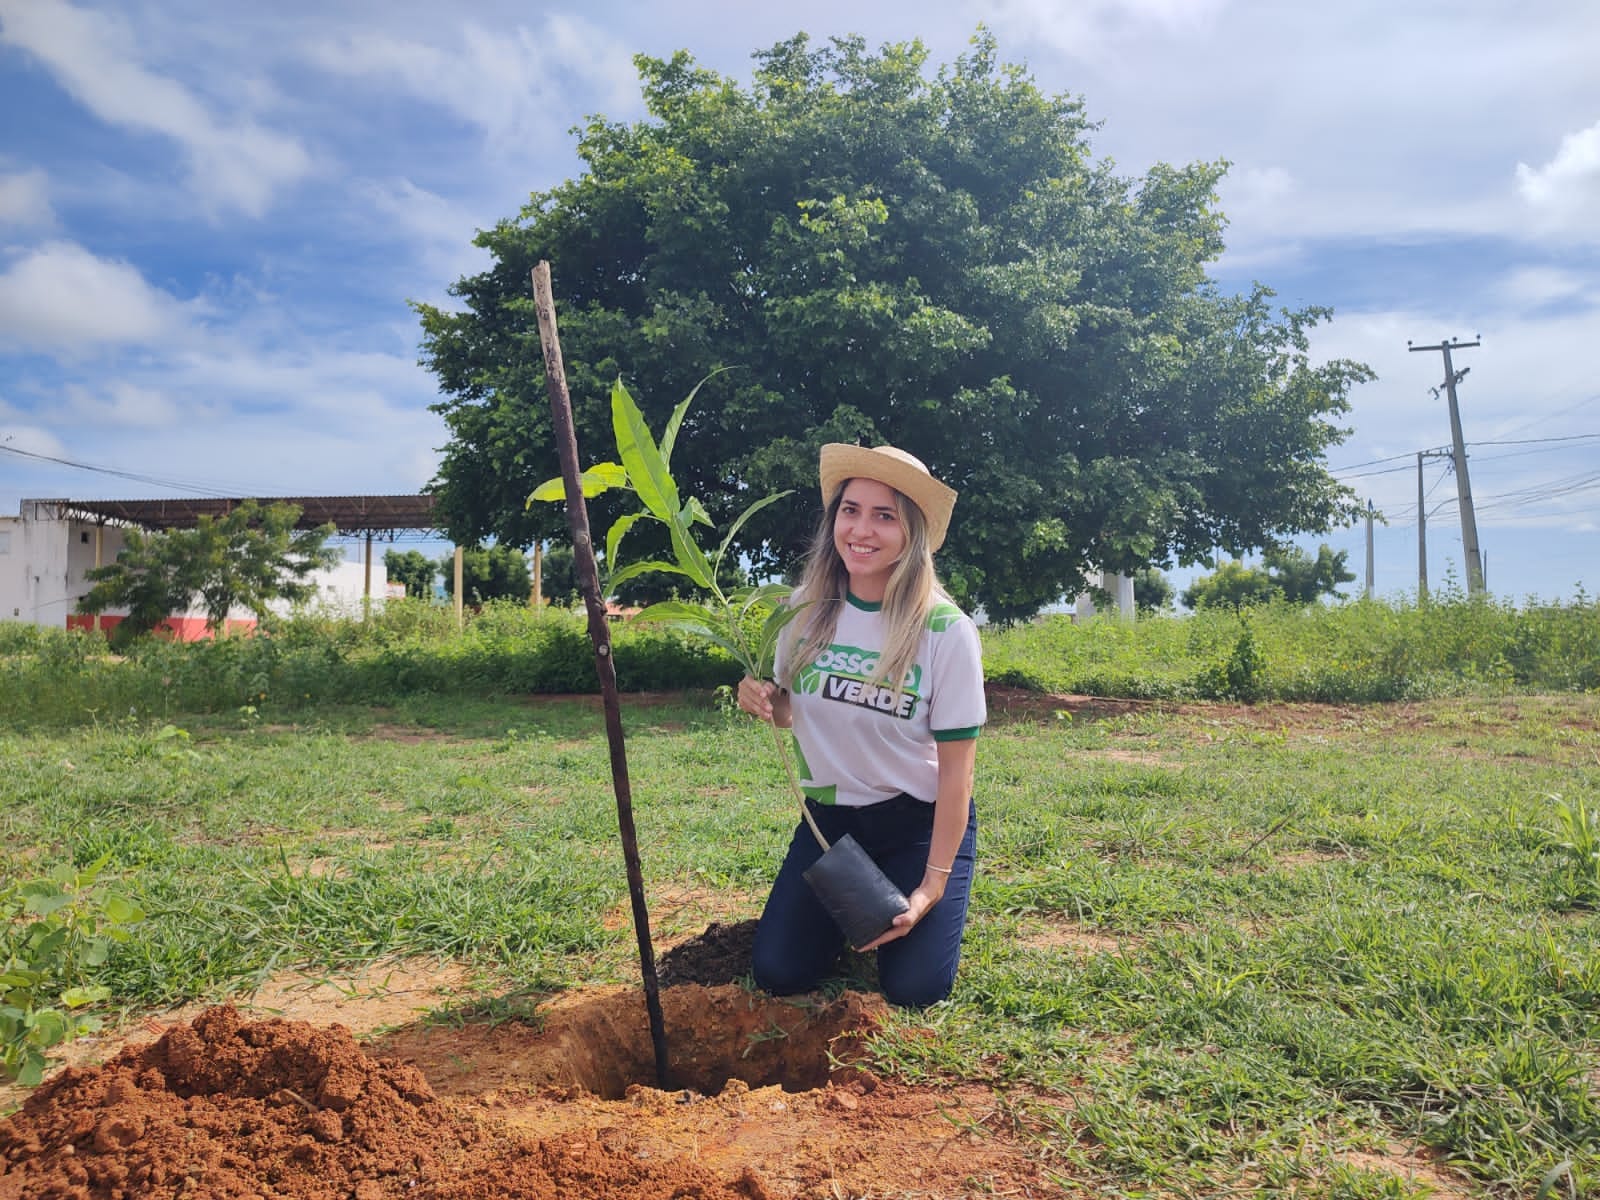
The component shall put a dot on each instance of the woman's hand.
(922, 898)
(760, 697)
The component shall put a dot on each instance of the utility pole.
(1422, 537)
(1422, 523)
(1369, 550)
(1469, 521)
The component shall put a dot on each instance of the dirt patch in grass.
(1010, 705)
(1415, 1168)
(764, 1099)
(594, 700)
(1047, 933)
(406, 735)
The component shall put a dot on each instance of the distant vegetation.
(1352, 652)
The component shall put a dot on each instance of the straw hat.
(899, 470)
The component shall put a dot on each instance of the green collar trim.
(855, 601)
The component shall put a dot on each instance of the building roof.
(349, 514)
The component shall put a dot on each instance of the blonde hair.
(912, 588)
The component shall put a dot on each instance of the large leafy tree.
(246, 558)
(881, 252)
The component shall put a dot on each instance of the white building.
(48, 549)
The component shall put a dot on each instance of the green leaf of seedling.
(694, 513)
(690, 557)
(614, 535)
(669, 436)
(601, 477)
(747, 598)
(702, 622)
(677, 610)
(644, 568)
(738, 524)
(550, 489)
(767, 641)
(647, 471)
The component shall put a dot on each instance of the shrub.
(54, 933)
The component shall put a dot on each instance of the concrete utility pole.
(1422, 524)
(1469, 521)
(1422, 536)
(1370, 571)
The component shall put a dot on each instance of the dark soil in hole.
(719, 955)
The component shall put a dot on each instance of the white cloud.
(61, 297)
(1087, 28)
(121, 404)
(506, 82)
(442, 228)
(1535, 287)
(233, 164)
(25, 200)
(1565, 192)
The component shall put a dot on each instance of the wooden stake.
(600, 634)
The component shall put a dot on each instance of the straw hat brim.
(888, 465)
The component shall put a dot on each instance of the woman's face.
(868, 536)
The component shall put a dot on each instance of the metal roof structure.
(348, 514)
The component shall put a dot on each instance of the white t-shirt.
(860, 743)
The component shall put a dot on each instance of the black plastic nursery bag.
(857, 894)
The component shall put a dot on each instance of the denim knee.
(777, 972)
(915, 989)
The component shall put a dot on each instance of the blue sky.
(213, 214)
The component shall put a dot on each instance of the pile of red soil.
(278, 1109)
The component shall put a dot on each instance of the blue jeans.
(797, 942)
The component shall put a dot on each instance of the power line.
(1373, 463)
(1385, 471)
(1576, 437)
(1579, 437)
(133, 475)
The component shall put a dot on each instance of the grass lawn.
(1254, 946)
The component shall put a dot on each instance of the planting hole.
(602, 1045)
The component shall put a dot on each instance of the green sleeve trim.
(956, 735)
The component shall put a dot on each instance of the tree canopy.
(414, 569)
(1286, 572)
(887, 253)
(246, 558)
(496, 572)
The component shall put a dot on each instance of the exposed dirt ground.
(762, 1102)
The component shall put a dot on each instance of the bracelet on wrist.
(941, 870)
